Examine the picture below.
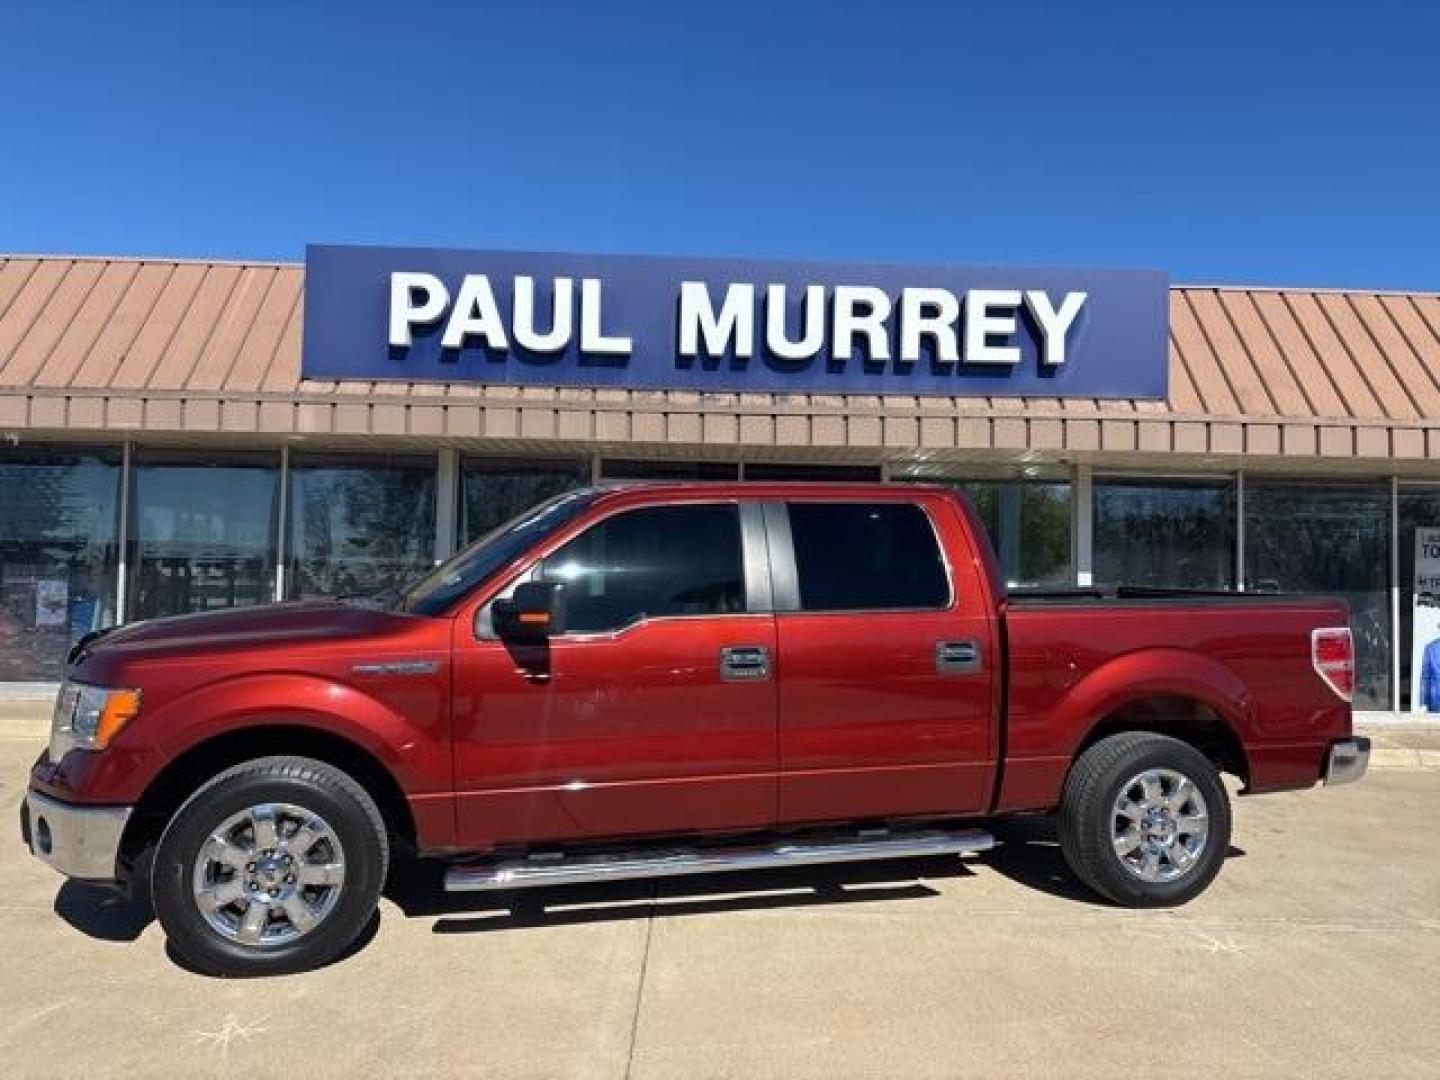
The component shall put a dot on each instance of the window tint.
(668, 560)
(853, 556)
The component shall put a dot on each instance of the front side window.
(651, 563)
(867, 557)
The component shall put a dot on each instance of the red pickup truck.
(654, 680)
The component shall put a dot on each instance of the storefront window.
(1419, 509)
(822, 473)
(359, 526)
(1029, 525)
(58, 554)
(1165, 533)
(203, 532)
(493, 490)
(1332, 539)
(620, 469)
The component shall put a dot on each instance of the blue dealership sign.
(647, 322)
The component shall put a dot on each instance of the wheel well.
(180, 779)
(1181, 718)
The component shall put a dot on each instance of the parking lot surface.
(1315, 953)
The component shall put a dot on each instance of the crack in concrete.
(640, 983)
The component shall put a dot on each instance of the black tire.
(1087, 818)
(312, 785)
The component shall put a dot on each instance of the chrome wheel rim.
(1160, 825)
(269, 874)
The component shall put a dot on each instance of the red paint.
(636, 732)
(605, 735)
(868, 727)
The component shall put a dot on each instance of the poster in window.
(52, 601)
(1425, 624)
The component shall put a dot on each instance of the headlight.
(88, 717)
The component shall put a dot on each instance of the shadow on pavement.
(1028, 853)
(366, 936)
(418, 891)
(101, 913)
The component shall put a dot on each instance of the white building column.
(122, 569)
(1395, 593)
(1240, 530)
(1082, 525)
(447, 503)
(282, 524)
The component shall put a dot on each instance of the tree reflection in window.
(1331, 539)
(1165, 533)
(360, 526)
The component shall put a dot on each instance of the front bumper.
(79, 841)
(1347, 760)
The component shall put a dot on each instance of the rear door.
(887, 670)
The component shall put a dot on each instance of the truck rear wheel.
(1144, 820)
(273, 866)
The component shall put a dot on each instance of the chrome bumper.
(79, 841)
(1347, 761)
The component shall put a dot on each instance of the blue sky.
(1225, 142)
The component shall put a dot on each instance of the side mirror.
(534, 612)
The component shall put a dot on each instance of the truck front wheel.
(1144, 820)
(273, 866)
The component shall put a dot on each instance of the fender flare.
(303, 701)
(1148, 673)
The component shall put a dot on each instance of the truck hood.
(289, 624)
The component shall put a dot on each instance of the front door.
(653, 712)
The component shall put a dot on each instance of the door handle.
(744, 662)
(957, 657)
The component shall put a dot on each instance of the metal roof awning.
(206, 351)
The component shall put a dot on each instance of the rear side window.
(866, 556)
(651, 563)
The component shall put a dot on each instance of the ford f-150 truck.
(653, 680)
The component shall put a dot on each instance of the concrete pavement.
(1314, 954)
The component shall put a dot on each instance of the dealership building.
(182, 436)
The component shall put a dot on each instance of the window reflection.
(1331, 539)
(651, 563)
(620, 469)
(1165, 533)
(825, 473)
(359, 526)
(494, 491)
(58, 556)
(1029, 525)
(203, 535)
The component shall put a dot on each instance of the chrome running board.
(555, 868)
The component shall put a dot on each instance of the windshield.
(465, 570)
